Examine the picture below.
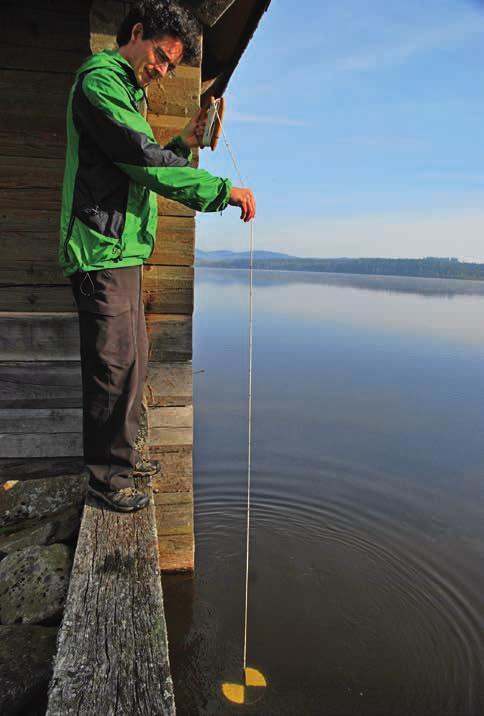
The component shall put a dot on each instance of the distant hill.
(428, 267)
(238, 255)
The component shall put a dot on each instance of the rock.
(33, 584)
(58, 528)
(26, 657)
(24, 499)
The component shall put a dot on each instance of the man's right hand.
(243, 198)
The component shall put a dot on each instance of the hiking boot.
(128, 499)
(147, 468)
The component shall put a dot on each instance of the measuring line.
(251, 342)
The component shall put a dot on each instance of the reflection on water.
(367, 526)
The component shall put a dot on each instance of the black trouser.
(114, 358)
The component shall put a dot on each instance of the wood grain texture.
(170, 427)
(112, 653)
(40, 432)
(179, 96)
(57, 384)
(29, 220)
(40, 468)
(169, 384)
(46, 24)
(175, 241)
(55, 337)
(175, 519)
(176, 553)
(166, 289)
(35, 143)
(45, 385)
(176, 472)
(31, 256)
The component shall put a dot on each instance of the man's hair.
(163, 17)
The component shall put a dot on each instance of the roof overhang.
(228, 28)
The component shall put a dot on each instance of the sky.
(360, 128)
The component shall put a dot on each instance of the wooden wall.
(44, 41)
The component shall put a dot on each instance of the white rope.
(249, 436)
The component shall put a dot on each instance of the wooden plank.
(40, 445)
(40, 468)
(48, 432)
(169, 417)
(47, 24)
(52, 59)
(175, 519)
(29, 220)
(166, 289)
(167, 207)
(175, 241)
(36, 184)
(55, 336)
(176, 553)
(176, 474)
(179, 96)
(33, 143)
(39, 336)
(169, 384)
(36, 252)
(57, 384)
(33, 98)
(165, 127)
(170, 427)
(22, 173)
(113, 660)
(47, 384)
(43, 420)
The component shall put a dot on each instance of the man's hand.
(245, 199)
(193, 133)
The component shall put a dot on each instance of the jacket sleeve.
(103, 109)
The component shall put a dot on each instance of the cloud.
(384, 56)
(267, 119)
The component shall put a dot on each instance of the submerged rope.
(249, 436)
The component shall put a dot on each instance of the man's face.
(153, 59)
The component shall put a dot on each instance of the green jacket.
(114, 169)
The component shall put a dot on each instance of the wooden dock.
(112, 655)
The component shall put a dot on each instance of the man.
(114, 169)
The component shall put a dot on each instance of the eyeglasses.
(163, 59)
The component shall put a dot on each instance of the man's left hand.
(193, 133)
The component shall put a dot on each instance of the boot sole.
(118, 508)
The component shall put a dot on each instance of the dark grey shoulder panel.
(116, 140)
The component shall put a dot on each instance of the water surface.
(367, 546)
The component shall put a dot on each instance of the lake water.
(367, 532)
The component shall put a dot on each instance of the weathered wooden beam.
(179, 96)
(169, 384)
(170, 427)
(57, 384)
(45, 385)
(51, 59)
(19, 468)
(166, 289)
(28, 220)
(112, 653)
(55, 336)
(40, 432)
(44, 24)
(31, 256)
(33, 143)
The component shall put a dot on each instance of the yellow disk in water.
(248, 692)
(234, 693)
(254, 677)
